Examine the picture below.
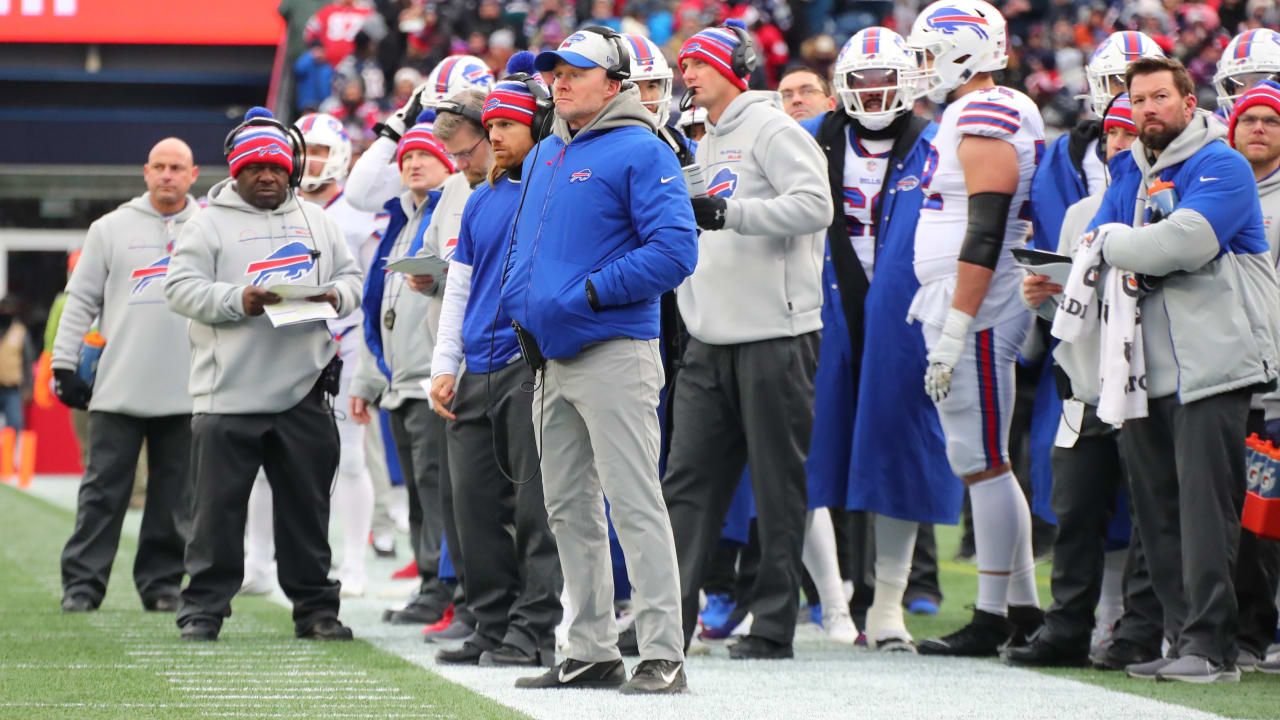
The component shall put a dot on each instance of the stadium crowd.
(653, 352)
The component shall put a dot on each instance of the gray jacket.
(1269, 195)
(145, 364)
(242, 364)
(1209, 321)
(761, 276)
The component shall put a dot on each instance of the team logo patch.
(492, 105)
(476, 75)
(574, 38)
(949, 21)
(292, 261)
(908, 183)
(723, 184)
(145, 276)
(580, 176)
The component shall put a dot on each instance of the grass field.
(124, 663)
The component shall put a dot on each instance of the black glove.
(71, 390)
(709, 212)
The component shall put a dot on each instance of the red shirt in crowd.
(335, 25)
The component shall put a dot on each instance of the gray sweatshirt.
(761, 276)
(1269, 195)
(242, 364)
(120, 280)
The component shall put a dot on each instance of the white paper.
(418, 265)
(299, 292)
(290, 312)
(1069, 424)
(1057, 267)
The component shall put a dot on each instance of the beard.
(1159, 138)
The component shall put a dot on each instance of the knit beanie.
(1265, 93)
(260, 144)
(1119, 114)
(511, 99)
(419, 137)
(715, 46)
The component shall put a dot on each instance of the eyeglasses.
(1270, 122)
(805, 92)
(466, 155)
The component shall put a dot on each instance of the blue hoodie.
(608, 203)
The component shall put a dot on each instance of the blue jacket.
(1059, 183)
(314, 80)
(373, 283)
(488, 340)
(608, 203)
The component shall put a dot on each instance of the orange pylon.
(26, 458)
(7, 439)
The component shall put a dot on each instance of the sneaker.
(628, 643)
(383, 547)
(1044, 651)
(511, 656)
(1122, 653)
(982, 637)
(257, 584)
(161, 603)
(351, 590)
(656, 677)
(78, 603)
(577, 674)
(456, 630)
(440, 624)
(466, 654)
(754, 647)
(1027, 621)
(922, 606)
(897, 645)
(413, 614)
(1270, 667)
(325, 629)
(1199, 670)
(200, 631)
(408, 572)
(1247, 661)
(1147, 670)
(717, 611)
(839, 626)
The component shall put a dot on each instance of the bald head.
(170, 172)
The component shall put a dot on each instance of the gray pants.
(104, 497)
(419, 436)
(512, 580)
(1187, 463)
(596, 418)
(752, 401)
(376, 460)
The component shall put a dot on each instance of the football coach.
(585, 295)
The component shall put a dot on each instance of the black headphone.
(743, 60)
(297, 145)
(543, 105)
(621, 70)
(458, 108)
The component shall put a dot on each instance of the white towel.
(1077, 313)
(1121, 364)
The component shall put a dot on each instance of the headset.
(743, 61)
(622, 69)
(457, 108)
(544, 107)
(297, 144)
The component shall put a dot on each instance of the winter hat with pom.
(512, 99)
(715, 46)
(419, 137)
(260, 144)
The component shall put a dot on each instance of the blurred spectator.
(313, 77)
(547, 26)
(633, 19)
(363, 63)
(406, 79)
(336, 25)
(602, 14)
(17, 355)
(356, 113)
(769, 42)
(502, 45)
(429, 39)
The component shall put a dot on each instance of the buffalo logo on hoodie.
(144, 276)
(723, 184)
(290, 262)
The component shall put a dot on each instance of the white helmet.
(963, 37)
(874, 63)
(319, 129)
(693, 116)
(1106, 68)
(455, 74)
(648, 63)
(1250, 57)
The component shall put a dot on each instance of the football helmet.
(1105, 71)
(319, 129)
(1250, 57)
(648, 63)
(954, 40)
(873, 77)
(455, 74)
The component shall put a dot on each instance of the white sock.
(819, 557)
(895, 544)
(260, 541)
(1002, 533)
(1111, 601)
(353, 497)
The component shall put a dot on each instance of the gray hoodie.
(242, 364)
(1269, 195)
(120, 280)
(760, 277)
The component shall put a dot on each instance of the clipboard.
(418, 265)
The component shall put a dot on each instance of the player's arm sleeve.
(663, 218)
(374, 179)
(190, 286)
(346, 276)
(796, 168)
(449, 350)
(85, 292)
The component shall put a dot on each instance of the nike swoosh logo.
(568, 677)
(667, 679)
(1205, 179)
(667, 180)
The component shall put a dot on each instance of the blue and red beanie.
(420, 137)
(260, 144)
(1265, 93)
(715, 46)
(511, 99)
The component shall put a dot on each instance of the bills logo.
(908, 183)
(949, 21)
(723, 184)
(491, 105)
(574, 38)
(143, 277)
(580, 176)
(292, 261)
(476, 75)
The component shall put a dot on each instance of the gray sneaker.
(654, 677)
(1247, 661)
(1270, 667)
(1196, 669)
(1146, 670)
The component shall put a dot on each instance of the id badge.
(1069, 423)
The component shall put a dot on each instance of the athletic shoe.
(1270, 667)
(1027, 621)
(721, 632)
(413, 614)
(200, 631)
(1199, 670)
(656, 677)
(440, 624)
(325, 629)
(754, 647)
(161, 603)
(839, 626)
(717, 611)
(628, 643)
(384, 547)
(408, 572)
(982, 637)
(923, 606)
(1122, 653)
(1247, 661)
(512, 656)
(78, 603)
(577, 674)
(457, 630)
(861, 642)
(257, 584)
(814, 612)
(466, 654)
(351, 590)
(1042, 651)
(897, 645)
(1147, 670)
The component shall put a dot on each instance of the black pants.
(418, 433)
(115, 441)
(1187, 462)
(1086, 479)
(1143, 620)
(752, 401)
(512, 580)
(298, 450)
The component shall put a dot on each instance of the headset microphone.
(686, 100)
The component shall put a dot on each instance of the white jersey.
(363, 231)
(1095, 173)
(864, 167)
(996, 112)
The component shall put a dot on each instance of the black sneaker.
(1045, 651)
(577, 674)
(413, 615)
(325, 629)
(754, 647)
(656, 677)
(200, 631)
(1027, 621)
(628, 644)
(160, 603)
(982, 637)
(507, 655)
(1122, 653)
(465, 654)
(78, 603)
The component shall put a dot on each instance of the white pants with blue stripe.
(976, 414)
